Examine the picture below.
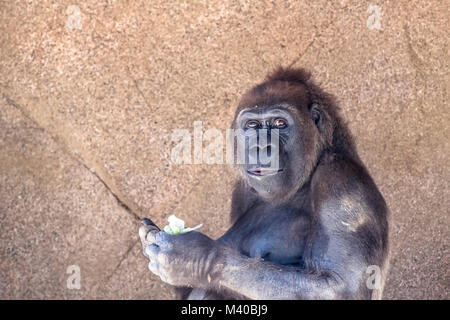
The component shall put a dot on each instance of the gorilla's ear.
(316, 115)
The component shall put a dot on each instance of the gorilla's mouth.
(263, 171)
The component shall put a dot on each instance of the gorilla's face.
(279, 141)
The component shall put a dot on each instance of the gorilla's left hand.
(182, 260)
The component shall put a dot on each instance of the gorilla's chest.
(276, 235)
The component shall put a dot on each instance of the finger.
(143, 230)
(142, 234)
(151, 235)
(164, 240)
(147, 234)
(163, 259)
(153, 267)
(152, 251)
(163, 277)
(160, 236)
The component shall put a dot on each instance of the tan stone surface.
(54, 213)
(107, 97)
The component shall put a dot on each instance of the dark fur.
(295, 87)
(337, 175)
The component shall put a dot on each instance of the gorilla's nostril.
(267, 150)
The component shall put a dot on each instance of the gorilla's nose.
(258, 149)
(267, 149)
(262, 154)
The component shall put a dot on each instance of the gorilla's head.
(281, 117)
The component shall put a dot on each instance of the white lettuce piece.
(176, 226)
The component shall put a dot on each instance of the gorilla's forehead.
(259, 112)
(276, 92)
(265, 111)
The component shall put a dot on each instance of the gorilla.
(313, 227)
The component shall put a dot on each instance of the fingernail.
(146, 221)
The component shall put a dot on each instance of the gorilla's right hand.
(147, 233)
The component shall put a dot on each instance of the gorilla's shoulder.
(340, 176)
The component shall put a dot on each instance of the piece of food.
(176, 226)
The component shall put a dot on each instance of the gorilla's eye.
(280, 123)
(252, 124)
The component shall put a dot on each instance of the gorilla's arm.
(333, 271)
(348, 234)
(349, 237)
(257, 279)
